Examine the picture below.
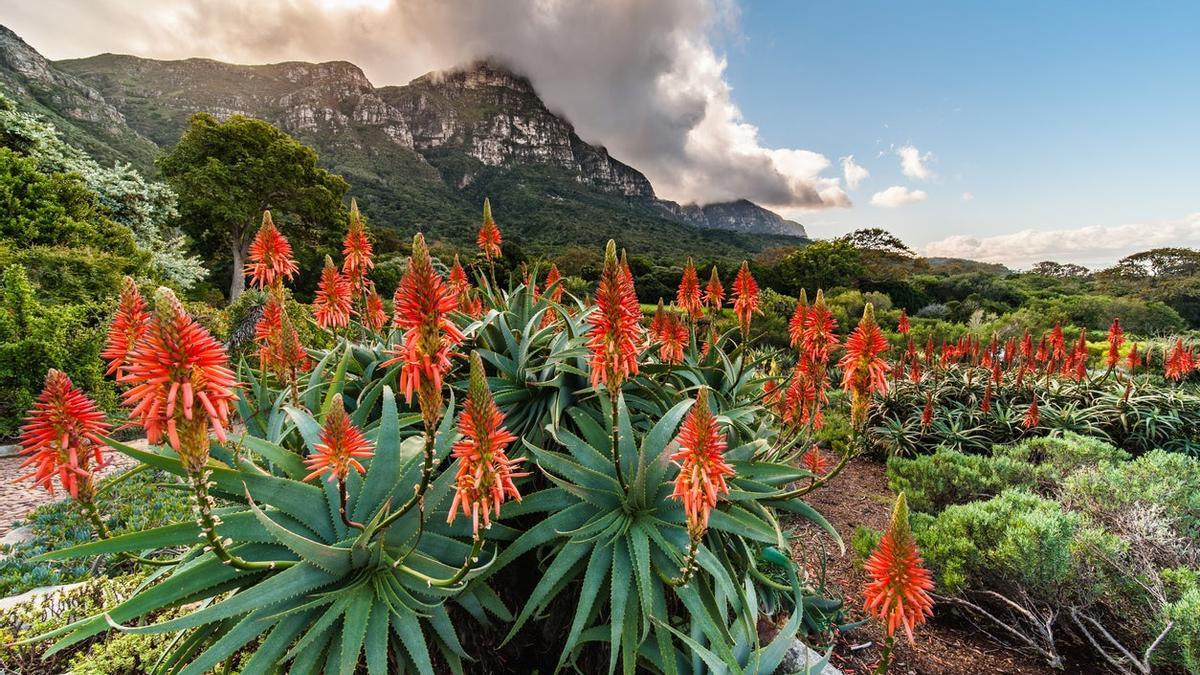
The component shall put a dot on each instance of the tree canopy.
(227, 173)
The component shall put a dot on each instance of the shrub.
(1165, 479)
(1059, 456)
(947, 477)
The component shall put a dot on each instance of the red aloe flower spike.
(820, 337)
(1116, 338)
(1178, 363)
(899, 589)
(1057, 343)
(714, 292)
(332, 304)
(1032, 417)
(554, 293)
(128, 325)
(423, 303)
(815, 461)
(903, 326)
(279, 348)
(489, 233)
(458, 278)
(356, 252)
(342, 445)
(270, 259)
(688, 296)
(61, 436)
(1134, 359)
(181, 383)
(485, 473)
(927, 413)
(658, 323)
(798, 321)
(616, 332)
(986, 405)
(745, 298)
(702, 465)
(375, 315)
(863, 371)
(673, 338)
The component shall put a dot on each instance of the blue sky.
(1051, 115)
(1033, 130)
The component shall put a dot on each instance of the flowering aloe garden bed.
(474, 473)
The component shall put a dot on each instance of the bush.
(947, 477)
(1165, 479)
(1060, 456)
(35, 338)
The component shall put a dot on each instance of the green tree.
(227, 173)
(821, 264)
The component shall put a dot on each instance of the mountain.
(418, 156)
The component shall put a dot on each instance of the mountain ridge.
(424, 152)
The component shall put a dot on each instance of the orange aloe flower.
(798, 321)
(554, 293)
(375, 314)
(332, 304)
(899, 589)
(745, 298)
(927, 413)
(485, 473)
(458, 278)
(279, 348)
(864, 372)
(673, 338)
(1179, 362)
(61, 435)
(903, 326)
(616, 330)
(423, 303)
(356, 252)
(688, 296)
(342, 445)
(1134, 359)
(714, 292)
(815, 461)
(819, 337)
(702, 465)
(181, 384)
(489, 233)
(658, 322)
(1032, 416)
(1116, 338)
(270, 256)
(986, 405)
(128, 325)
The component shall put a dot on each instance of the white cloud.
(968, 197)
(897, 196)
(1093, 245)
(642, 78)
(853, 172)
(912, 162)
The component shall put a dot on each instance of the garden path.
(18, 499)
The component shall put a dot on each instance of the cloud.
(912, 162)
(642, 78)
(968, 197)
(1093, 245)
(897, 196)
(853, 172)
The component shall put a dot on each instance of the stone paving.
(18, 499)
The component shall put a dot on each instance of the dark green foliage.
(822, 264)
(1106, 490)
(35, 337)
(947, 477)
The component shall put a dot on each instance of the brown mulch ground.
(18, 499)
(947, 644)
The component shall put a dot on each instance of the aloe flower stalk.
(714, 292)
(745, 299)
(485, 472)
(356, 253)
(332, 304)
(61, 437)
(127, 327)
(270, 259)
(899, 591)
(489, 239)
(864, 372)
(688, 296)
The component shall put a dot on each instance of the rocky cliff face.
(452, 128)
